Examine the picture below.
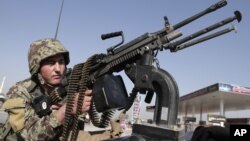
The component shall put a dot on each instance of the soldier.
(36, 106)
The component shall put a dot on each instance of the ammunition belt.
(78, 84)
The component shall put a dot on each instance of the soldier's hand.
(55, 107)
(60, 109)
(87, 101)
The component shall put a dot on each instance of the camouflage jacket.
(24, 122)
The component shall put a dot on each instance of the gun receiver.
(118, 57)
(136, 59)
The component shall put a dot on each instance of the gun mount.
(136, 59)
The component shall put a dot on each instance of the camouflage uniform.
(23, 123)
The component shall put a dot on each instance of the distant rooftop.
(209, 99)
(234, 98)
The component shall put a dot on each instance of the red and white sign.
(137, 107)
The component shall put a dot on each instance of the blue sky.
(224, 59)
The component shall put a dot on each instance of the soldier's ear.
(40, 79)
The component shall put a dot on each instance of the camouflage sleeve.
(45, 128)
(35, 128)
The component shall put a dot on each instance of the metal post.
(222, 109)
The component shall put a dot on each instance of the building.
(215, 99)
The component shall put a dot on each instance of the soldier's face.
(52, 69)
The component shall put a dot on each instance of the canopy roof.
(208, 99)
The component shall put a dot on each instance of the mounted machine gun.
(136, 59)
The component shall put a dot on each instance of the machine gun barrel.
(212, 8)
(216, 34)
(173, 46)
